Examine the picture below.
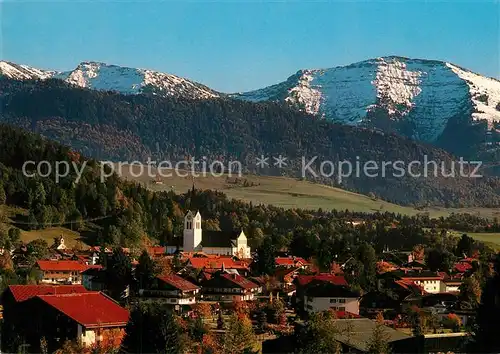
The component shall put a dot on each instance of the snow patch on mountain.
(424, 93)
(396, 85)
(101, 76)
(23, 72)
(485, 93)
(304, 95)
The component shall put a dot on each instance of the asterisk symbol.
(280, 161)
(262, 161)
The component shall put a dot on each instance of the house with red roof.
(89, 317)
(157, 251)
(292, 262)
(60, 312)
(228, 287)
(301, 282)
(60, 272)
(174, 289)
(217, 263)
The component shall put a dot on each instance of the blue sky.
(237, 46)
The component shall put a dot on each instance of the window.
(333, 301)
(342, 301)
(342, 308)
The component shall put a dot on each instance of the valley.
(291, 193)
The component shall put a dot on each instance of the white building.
(431, 282)
(321, 296)
(211, 242)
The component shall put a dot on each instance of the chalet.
(323, 295)
(301, 281)
(61, 272)
(174, 289)
(430, 282)
(226, 287)
(292, 262)
(90, 317)
(15, 313)
(286, 275)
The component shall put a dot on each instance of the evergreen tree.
(266, 263)
(153, 328)
(118, 274)
(145, 271)
(486, 338)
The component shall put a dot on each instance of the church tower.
(192, 232)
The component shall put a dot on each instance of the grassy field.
(290, 193)
(71, 238)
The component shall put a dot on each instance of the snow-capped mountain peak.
(102, 76)
(419, 97)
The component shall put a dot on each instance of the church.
(211, 242)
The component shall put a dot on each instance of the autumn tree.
(470, 291)
(202, 309)
(453, 322)
(239, 336)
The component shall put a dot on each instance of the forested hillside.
(124, 213)
(108, 125)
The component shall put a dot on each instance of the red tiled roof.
(240, 281)
(178, 282)
(91, 309)
(157, 250)
(25, 292)
(408, 284)
(334, 279)
(61, 266)
(289, 261)
(216, 263)
(462, 267)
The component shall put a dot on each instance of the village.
(212, 275)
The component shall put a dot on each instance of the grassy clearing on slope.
(290, 193)
(71, 237)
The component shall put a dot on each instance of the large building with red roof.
(59, 313)
(61, 272)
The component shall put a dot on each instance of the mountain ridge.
(432, 101)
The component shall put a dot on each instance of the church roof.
(218, 238)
